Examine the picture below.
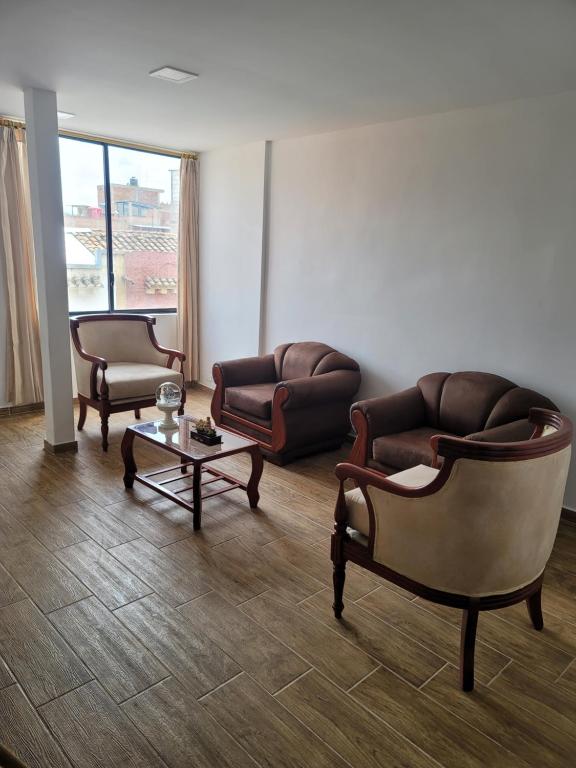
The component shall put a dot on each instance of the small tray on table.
(206, 439)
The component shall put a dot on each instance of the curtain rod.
(7, 122)
(13, 123)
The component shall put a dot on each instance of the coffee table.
(192, 454)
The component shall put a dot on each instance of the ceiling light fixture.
(173, 75)
(65, 115)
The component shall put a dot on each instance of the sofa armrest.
(247, 370)
(336, 386)
(396, 413)
(513, 432)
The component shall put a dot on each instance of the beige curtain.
(188, 266)
(23, 377)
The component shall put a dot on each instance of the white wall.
(232, 183)
(441, 243)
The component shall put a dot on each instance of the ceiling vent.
(173, 75)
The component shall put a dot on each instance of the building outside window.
(128, 261)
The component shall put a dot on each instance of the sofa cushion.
(254, 399)
(430, 387)
(515, 404)
(356, 504)
(405, 449)
(302, 358)
(357, 513)
(512, 432)
(468, 399)
(127, 381)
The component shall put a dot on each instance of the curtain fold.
(23, 363)
(188, 259)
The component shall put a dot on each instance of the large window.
(121, 227)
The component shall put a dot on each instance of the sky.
(82, 170)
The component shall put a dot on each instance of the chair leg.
(82, 416)
(137, 413)
(467, 646)
(182, 403)
(339, 577)
(104, 427)
(534, 604)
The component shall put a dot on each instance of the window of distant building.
(126, 259)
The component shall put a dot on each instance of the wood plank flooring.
(126, 638)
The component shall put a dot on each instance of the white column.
(48, 224)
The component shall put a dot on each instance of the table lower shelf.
(198, 483)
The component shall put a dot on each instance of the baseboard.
(569, 515)
(201, 387)
(71, 447)
(15, 410)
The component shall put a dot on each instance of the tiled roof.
(95, 240)
(85, 281)
(164, 284)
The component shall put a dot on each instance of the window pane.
(144, 191)
(82, 171)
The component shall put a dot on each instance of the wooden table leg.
(130, 467)
(197, 496)
(257, 467)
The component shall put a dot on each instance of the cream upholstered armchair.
(119, 365)
(475, 534)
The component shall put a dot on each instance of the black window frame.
(108, 225)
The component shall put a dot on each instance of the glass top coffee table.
(196, 455)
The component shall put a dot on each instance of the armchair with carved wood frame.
(119, 364)
(475, 534)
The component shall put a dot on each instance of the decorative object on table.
(205, 433)
(167, 401)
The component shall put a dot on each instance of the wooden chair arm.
(99, 362)
(173, 354)
(363, 477)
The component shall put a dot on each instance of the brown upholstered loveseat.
(294, 402)
(393, 433)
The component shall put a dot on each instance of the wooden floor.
(126, 639)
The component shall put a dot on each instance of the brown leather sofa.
(293, 402)
(393, 433)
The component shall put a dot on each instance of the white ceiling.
(272, 69)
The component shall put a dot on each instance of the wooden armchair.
(119, 365)
(476, 534)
